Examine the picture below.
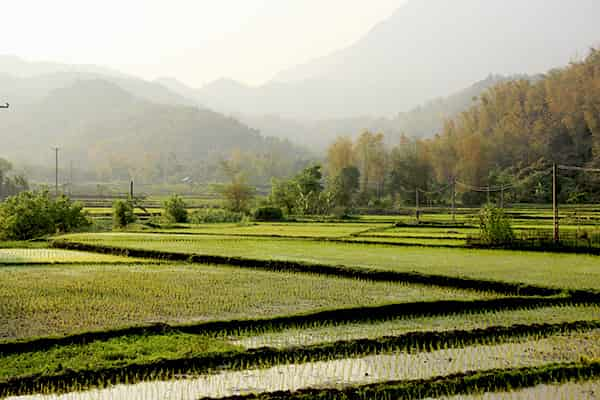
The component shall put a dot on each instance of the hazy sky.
(195, 41)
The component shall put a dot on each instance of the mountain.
(25, 82)
(426, 49)
(422, 121)
(113, 135)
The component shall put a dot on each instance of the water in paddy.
(357, 371)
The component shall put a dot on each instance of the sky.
(194, 41)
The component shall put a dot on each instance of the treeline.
(109, 135)
(10, 185)
(511, 136)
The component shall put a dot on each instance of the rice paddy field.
(376, 307)
(568, 271)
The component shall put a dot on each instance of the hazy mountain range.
(115, 126)
(449, 51)
(422, 121)
(23, 82)
(426, 49)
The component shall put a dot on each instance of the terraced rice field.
(566, 391)
(57, 256)
(331, 333)
(321, 230)
(58, 300)
(364, 370)
(555, 270)
(297, 310)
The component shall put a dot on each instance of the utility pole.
(502, 196)
(555, 201)
(56, 149)
(453, 199)
(417, 204)
(131, 189)
(488, 194)
(71, 178)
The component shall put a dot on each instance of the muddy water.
(377, 368)
(328, 334)
(568, 391)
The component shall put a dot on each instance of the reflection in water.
(377, 368)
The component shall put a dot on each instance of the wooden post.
(131, 189)
(555, 202)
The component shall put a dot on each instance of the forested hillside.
(512, 135)
(519, 127)
(109, 134)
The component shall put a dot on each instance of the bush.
(494, 226)
(340, 212)
(67, 215)
(268, 214)
(29, 215)
(123, 213)
(215, 215)
(175, 210)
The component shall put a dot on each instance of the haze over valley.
(422, 65)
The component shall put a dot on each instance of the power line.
(486, 188)
(575, 168)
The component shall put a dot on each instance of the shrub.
(494, 226)
(29, 215)
(175, 209)
(268, 214)
(68, 215)
(123, 213)
(215, 215)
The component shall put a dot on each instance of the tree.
(238, 195)
(5, 167)
(123, 214)
(175, 209)
(284, 194)
(410, 168)
(309, 185)
(340, 155)
(370, 156)
(345, 185)
(309, 180)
